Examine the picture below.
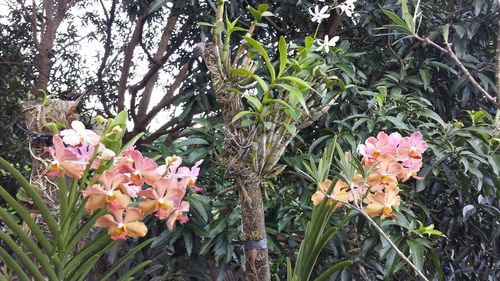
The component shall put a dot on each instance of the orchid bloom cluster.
(129, 179)
(319, 14)
(392, 158)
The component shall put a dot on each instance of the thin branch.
(127, 61)
(448, 51)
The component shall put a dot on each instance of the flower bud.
(99, 119)
(107, 154)
(116, 129)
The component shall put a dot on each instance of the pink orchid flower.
(66, 161)
(164, 197)
(413, 147)
(119, 227)
(384, 143)
(190, 175)
(107, 192)
(78, 134)
(142, 169)
(86, 151)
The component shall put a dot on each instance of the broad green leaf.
(297, 81)
(254, 43)
(283, 55)
(254, 102)
(416, 253)
(192, 141)
(426, 77)
(407, 16)
(295, 94)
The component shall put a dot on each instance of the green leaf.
(192, 141)
(23, 213)
(90, 249)
(407, 16)
(10, 221)
(396, 121)
(446, 32)
(20, 254)
(134, 270)
(239, 115)
(437, 264)
(297, 81)
(156, 5)
(254, 43)
(295, 94)
(37, 200)
(426, 77)
(336, 267)
(130, 254)
(402, 26)
(254, 102)
(416, 253)
(283, 55)
(13, 265)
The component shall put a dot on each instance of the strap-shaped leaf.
(35, 250)
(13, 265)
(28, 264)
(23, 213)
(81, 272)
(122, 260)
(298, 81)
(336, 267)
(134, 270)
(254, 102)
(254, 43)
(84, 229)
(33, 194)
(95, 246)
(296, 94)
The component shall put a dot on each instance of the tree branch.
(448, 51)
(158, 57)
(127, 61)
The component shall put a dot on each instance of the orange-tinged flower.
(381, 203)
(107, 192)
(66, 162)
(165, 198)
(119, 227)
(339, 194)
(141, 169)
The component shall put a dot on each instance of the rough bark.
(37, 116)
(254, 229)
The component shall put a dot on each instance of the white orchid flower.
(327, 43)
(319, 14)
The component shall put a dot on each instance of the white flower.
(319, 15)
(78, 134)
(327, 43)
(347, 7)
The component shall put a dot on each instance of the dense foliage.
(390, 82)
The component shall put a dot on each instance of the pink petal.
(106, 221)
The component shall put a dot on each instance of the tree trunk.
(254, 229)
